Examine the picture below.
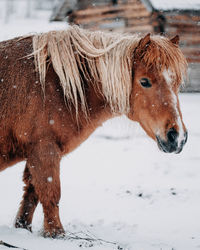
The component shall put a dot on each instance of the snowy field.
(117, 186)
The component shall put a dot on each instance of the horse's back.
(11, 51)
(17, 73)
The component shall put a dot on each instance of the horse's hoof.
(21, 223)
(54, 234)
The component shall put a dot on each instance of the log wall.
(121, 15)
(187, 26)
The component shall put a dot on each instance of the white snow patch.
(51, 122)
(50, 179)
(178, 4)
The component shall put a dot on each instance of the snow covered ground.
(20, 26)
(117, 186)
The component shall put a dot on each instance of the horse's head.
(158, 70)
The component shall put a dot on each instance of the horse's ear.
(145, 41)
(142, 46)
(175, 40)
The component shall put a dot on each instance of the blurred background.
(167, 17)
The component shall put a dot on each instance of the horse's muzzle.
(172, 143)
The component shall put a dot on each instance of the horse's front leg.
(44, 166)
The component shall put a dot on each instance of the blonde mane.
(109, 58)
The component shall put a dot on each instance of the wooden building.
(113, 15)
(168, 17)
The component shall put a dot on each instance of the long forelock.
(162, 55)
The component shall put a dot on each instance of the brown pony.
(57, 88)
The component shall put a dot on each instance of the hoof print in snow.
(173, 192)
(86, 244)
(120, 248)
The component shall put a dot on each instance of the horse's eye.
(145, 82)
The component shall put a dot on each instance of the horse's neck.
(98, 109)
(97, 116)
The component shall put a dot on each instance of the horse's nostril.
(172, 135)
